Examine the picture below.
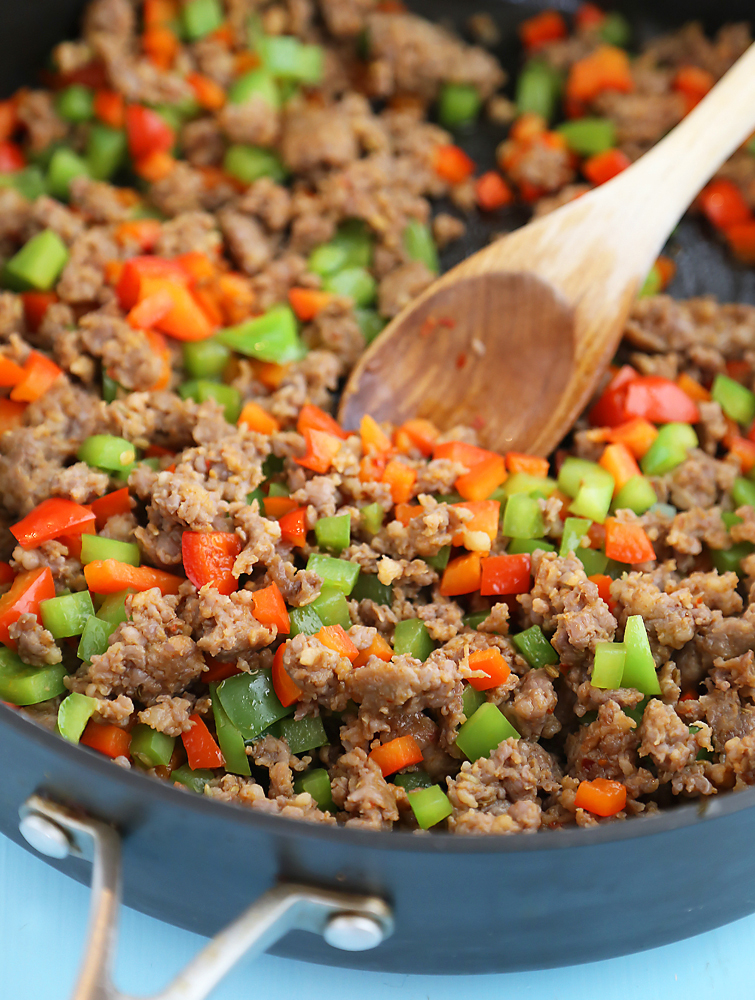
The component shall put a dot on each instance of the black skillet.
(461, 905)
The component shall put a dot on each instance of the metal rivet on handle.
(353, 932)
(45, 836)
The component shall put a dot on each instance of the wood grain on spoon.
(514, 340)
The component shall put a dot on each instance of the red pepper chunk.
(201, 749)
(136, 272)
(50, 519)
(270, 608)
(208, 558)
(25, 595)
(322, 448)
(10, 372)
(111, 504)
(650, 397)
(312, 418)
(284, 687)
(397, 754)
(39, 374)
(723, 204)
(506, 574)
(112, 741)
(628, 543)
(147, 132)
(11, 158)
(293, 527)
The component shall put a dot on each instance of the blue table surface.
(43, 919)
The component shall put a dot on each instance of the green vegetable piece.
(256, 83)
(743, 492)
(202, 389)
(730, 519)
(458, 105)
(538, 89)
(21, 684)
(200, 18)
(301, 734)
(257, 495)
(73, 714)
(334, 533)
(105, 151)
(338, 573)
(593, 560)
(575, 472)
(594, 499)
(730, 560)
(371, 518)
(327, 259)
(39, 262)
(575, 529)
(75, 103)
(369, 588)
(306, 621)
(317, 783)
(589, 136)
(29, 182)
(736, 401)
(272, 466)
(520, 546)
(271, 337)
(64, 166)
(331, 607)
(639, 666)
(105, 451)
(535, 647)
(523, 482)
(250, 702)
(66, 616)
(522, 517)
(669, 449)
(420, 245)
(355, 242)
(205, 358)
(230, 740)
(616, 30)
(636, 494)
(94, 638)
(487, 729)
(113, 608)
(413, 779)
(354, 283)
(109, 388)
(94, 547)
(430, 806)
(193, 780)
(370, 323)
(151, 748)
(653, 284)
(440, 560)
(248, 163)
(472, 699)
(608, 668)
(411, 638)
(279, 490)
(285, 57)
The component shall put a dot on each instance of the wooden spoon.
(514, 340)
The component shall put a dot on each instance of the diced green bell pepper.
(272, 466)
(94, 638)
(534, 647)
(743, 492)
(21, 684)
(337, 572)
(370, 323)
(73, 714)
(193, 780)
(616, 30)
(608, 668)
(75, 103)
(355, 239)
(200, 18)
(29, 182)
(250, 702)
(271, 337)
(520, 546)
(227, 396)
(411, 638)
(301, 734)
(523, 482)
(472, 699)
(594, 499)
(730, 560)
(109, 388)
(487, 729)
(205, 358)
(230, 739)
(589, 136)
(279, 490)
(736, 400)
(334, 533)
(354, 283)
(113, 608)
(639, 666)
(430, 806)
(256, 83)
(575, 529)
(522, 517)
(287, 58)
(369, 588)
(637, 494)
(669, 449)
(105, 151)
(95, 547)
(331, 607)
(440, 560)
(65, 165)
(105, 451)
(538, 88)
(420, 245)
(458, 105)
(150, 747)
(371, 518)
(413, 779)
(575, 472)
(39, 262)
(306, 621)
(593, 560)
(248, 163)
(317, 783)
(66, 616)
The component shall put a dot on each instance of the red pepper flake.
(447, 322)
(429, 326)
(461, 360)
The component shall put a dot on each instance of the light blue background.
(43, 917)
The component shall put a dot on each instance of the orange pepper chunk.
(462, 575)
(397, 754)
(492, 663)
(258, 419)
(288, 692)
(601, 797)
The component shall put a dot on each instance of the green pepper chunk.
(230, 740)
(593, 561)
(270, 337)
(594, 499)
(29, 182)
(317, 783)
(113, 608)
(639, 666)
(279, 490)
(736, 400)
(576, 471)
(484, 731)
(575, 529)
(371, 518)
(472, 699)
(520, 546)
(653, 284)
(370, 323)
(413, 779)
(65, 165)
(73, 714)
(637, 494)
(21, 684)
(39, 262)
(419, 244)
(411, 638)
(440, 560)
(205, 358)
(458, 105)
(75, 103)
(95, 547)
(522, 517)
(730, 519)
(66, 616)
(523, 482)
(301, 734)
(306, 621)
(354, 283)
(227, 395)
(94, 638)
(248, 163)
(669, 449)
(256, 83)
(250, 702)
(334, 533)
(285, 57)
(608, 668)
(616, 30)
(151, 748)
(538, 89)
(105, 151)
(109, 388)
(331, 607)
(369, 588)
(338, 573)
(200, 18)
(730, 560)
(193, 780)
(105, 451)
(743, 492)
(589, 136)
(535, 648)
(430, 806)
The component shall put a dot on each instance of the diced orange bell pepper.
(603, 167)
(107, 739)
(186, 319)
(421, 434)
(308, 302)
(404, 512)
(505, 574)
(603, 583)
(335, 637)
(485, 477)
(743, 450)
(155, 166)
(209, 94)
(462, 575)
(492, 191)
(108, 576)
(490, 661)
(588, 16)
(110, 108)
(161, 47)
(322, 448)
(159, 12)
(628, 543)
(11, 414)
(379, 647)
(142, 232)
(270, 608)
(40, 372)
(237, 300)
(694, 83)
(151, 309)
(468, 455)
(293, 527)
(374, 438)
(741, 240)
(27, 592)
(452, 164)
(601, 797)
(620, 463)
(10, 372)
(258, 419)
(723, 204)
(312, 418)
(637, 435)
(138, 275)
(401, 479)
(607, 68)
(278, 506)
(201, 749)
(396, 755)
(485, 518)
(532, 465)
(284, 687)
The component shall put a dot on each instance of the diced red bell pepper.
(505, 574)
(7, 574)
(11, 157)
(108, 576)
(492, 191)
(603, 167)
(465, 454)
(201, 749)
(10, 372)
(138, 269)
(147, 132)
(25, 595)
(723, 204)
(50, 519)
(107, 739)
(322, 448)
(284, 687)
(452, 164)
(40, 372)
(110, 108)
(312, 418)
(111, 504)
(11, 414)
(36, 305)
(270, 608)
(462, 575)
(293, 527)
(208, 558)
(655, 399)
(397, 754)
(218, 671)
(628, 543)
(549, 26)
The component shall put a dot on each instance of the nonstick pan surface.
(462, 905)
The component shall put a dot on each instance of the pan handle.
(346, 921)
